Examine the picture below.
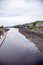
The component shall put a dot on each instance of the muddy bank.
(36, 38)
(3, 33)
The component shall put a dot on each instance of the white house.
(39, 24)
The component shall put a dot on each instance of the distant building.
(39, 24)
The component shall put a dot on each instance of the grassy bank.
(34, 27)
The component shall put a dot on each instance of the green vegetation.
(34, 23)
(34, 27)
(30, 27)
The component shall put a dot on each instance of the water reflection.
(17, 50)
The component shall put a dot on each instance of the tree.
(34, 23)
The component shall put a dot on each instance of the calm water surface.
(17, 50)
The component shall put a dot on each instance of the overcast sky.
(20, 11)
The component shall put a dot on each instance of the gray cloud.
(29, 8)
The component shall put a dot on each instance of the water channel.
(17, 50)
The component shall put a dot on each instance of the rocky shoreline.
(36, 38)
